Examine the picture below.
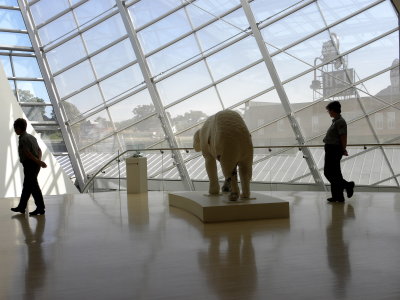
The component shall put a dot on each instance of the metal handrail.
(86, 187)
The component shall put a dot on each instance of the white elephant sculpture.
(226, 138)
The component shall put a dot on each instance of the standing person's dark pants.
(332, 171)
(31, 186)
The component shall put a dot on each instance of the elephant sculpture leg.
(226, 188)
(245, 172)
(211, 168)
(229, 170)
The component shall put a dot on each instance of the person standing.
(335, 147)
(30, 155)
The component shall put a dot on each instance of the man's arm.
(32, 157)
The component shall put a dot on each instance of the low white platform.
(219, 209)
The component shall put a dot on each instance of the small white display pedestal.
(136, 175)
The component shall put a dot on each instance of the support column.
(154, 93)
(281, 93)
(53, 95)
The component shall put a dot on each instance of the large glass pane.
(201, 11)
(384, 86)
(132, 109)
(45, 9)
(385, 124)
(185, 139)
(74, 79)
(121, 83)
(82, 102)
(246, 84)
(9, 2)
(88, 11)
(66, 54)
(300, 57)
(367, 168)
(183, 83)
(15, 39)
(145, 11)
(194, 110)
(113, 58)
(359, 132)
(104, 33)
(276, 133)
(221, 31)
(293, 27)
(143, 134)
(375, 57)
(57, 29)
(299, 90)
(180, 52)
(393, 154)
(11, 19)
(29, 90)
(263, 110)
(52, 137)
(26, 67)
(92, 129)
(365, 26)
(39, 113)
(100, 153)
(335, 10)
(233, 58)
(269, 10)
(164, 31)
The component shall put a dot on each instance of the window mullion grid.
(154, 94)
(99, 87)
(281, 92)
(202, 57)
(53, 94)
(348, 78)
(61, 13)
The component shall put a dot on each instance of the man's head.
(20, 126)
(334, 108)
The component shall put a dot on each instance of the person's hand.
(345, 152)
(43, 164)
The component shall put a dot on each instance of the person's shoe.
(350, 189)
(17, 209)
(37, 212)
(331, 200)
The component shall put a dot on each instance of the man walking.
(30, 155)
(335, 147)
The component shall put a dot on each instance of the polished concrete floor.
(110, 246)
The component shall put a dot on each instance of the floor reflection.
(35, 272)
(221, 264)
(138, 211)
(337, 248)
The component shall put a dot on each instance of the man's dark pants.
(31, 186)
(332, 171)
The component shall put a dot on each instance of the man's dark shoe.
(17, 209)
(37, 212)
(350, 189)
(331, 200)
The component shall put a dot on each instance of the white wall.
(52, 180)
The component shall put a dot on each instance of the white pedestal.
(136, 175)
(218, 208)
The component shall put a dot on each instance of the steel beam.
(281, 93)
(154, 94)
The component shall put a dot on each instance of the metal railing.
(117, 157)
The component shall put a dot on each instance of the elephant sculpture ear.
(196, 141)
